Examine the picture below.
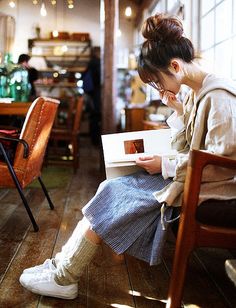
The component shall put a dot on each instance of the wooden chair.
(70, 133)
(212, 224)
(30, 151)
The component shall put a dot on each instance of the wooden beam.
(144, 5)
(111, 8)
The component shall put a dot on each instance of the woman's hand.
(170, 100)
(152, 164)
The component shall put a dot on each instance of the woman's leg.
(82, 228)
(58, 277)
(76, 254)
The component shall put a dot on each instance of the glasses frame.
(156, 85)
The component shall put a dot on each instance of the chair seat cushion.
(221, 213)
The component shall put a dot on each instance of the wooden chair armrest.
(198, 160)
(22, 141)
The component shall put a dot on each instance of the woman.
(129, 213)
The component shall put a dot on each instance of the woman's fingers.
(170, 100)
(152, 164)
(144, 158)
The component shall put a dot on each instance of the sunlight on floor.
(121, 306)
(156, 299)
(136, 293)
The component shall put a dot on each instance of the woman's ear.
(175, 66)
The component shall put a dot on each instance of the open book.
(122, 149)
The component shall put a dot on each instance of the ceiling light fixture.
(12, 4)
(70, 4)
(43, 11)
(128, 11)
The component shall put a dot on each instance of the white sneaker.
(47, 265)
(43, 283)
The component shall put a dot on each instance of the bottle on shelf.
(19, 85)
(5, 71)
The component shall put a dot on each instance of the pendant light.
(12, 4)
(128, 11)
(43, 11)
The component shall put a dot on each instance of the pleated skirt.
(125, 214)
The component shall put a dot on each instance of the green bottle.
(19, 85)
(5, 75)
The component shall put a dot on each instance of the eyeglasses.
(156, 85)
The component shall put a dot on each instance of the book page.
(127, 147)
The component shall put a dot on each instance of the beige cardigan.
(210, 125)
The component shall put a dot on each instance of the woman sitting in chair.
(131, 213)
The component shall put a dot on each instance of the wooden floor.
(109, 281)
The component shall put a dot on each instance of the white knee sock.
(74, 259)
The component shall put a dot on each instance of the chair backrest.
(78, 115)
(36, 130)
(199, 232)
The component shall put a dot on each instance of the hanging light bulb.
(128, 11)
(53, 2)
(12, 4)
(43, 11)
(70, 4)
(55, 33)
(35, 2)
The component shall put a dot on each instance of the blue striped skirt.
(125, 214)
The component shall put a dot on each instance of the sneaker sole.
(35, 291)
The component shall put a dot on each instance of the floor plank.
(199, 289)
(149, 284)
(213, 261)
(15, 227)
(35, 248)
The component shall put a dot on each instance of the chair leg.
(46, 193)
(182, 252)
(75, 154)
(19, 188)
(177, 283)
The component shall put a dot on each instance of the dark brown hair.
(23, 58)
(164, 41)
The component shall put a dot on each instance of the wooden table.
(154, 125)
(14, 108)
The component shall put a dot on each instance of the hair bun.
(162, 28)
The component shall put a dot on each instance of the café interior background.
(211, 25)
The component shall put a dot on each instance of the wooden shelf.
(73, 58)
(57, 85)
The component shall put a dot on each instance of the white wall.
(85, 17)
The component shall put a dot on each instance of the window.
(218, 35)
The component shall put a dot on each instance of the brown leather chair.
(30, 150)
(69, 133)
(212, 224)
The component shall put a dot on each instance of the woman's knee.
(92, 236)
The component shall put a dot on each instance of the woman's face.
(168, 82)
